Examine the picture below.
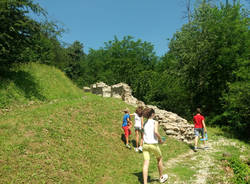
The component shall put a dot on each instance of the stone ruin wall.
(172, 124)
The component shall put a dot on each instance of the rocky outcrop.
(86, 89)
(121, 90)
(101, 89)
(173, 125)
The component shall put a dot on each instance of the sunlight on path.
(198, 163)
(195, 167)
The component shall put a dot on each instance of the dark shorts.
(198, 131)
(138, 128)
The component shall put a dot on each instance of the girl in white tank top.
(138, 128)
(151, 138)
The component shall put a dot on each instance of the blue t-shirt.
(125, 122)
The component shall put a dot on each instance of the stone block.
(86, 89)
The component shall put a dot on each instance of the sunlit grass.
(74, 137)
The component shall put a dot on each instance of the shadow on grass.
(24, 82)
(191, 146)
(230, 133)
(140, 178)
(134, 143)
(123, 138)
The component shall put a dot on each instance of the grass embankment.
(34, 82)
(65, 136)
(70, 141)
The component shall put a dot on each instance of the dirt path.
(205, 162)
(195, 167)
(200, 162)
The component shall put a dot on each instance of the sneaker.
(136, 149)
(164, 178)
(140, 148)
(206, 147)
(127, 145)
(195, 149)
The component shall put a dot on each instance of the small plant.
(241, 171)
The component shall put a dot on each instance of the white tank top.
(149, 136)
(137, 121)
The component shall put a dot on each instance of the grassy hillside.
(68, 136)
(34, 82)
(69, 141)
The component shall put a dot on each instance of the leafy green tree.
(75, 55)
(46, 43)
(127, 58)
(17, 29)
(170, 91)
(236, 102)
(119, 61)
(145, 84)
(208, 49)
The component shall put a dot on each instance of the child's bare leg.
(196, 141)
(126, 139)
(145, 171)
(137, 138)
(141, 140)
(160, 166)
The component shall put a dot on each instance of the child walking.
(126, 125)
(199, 128)
(151, 139)
(138, 127)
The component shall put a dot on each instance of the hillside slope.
(52, 132)
(68, 136)
(69, 141)
(35, 82)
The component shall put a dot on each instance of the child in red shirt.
(199, 128)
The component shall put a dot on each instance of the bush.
(241, 171)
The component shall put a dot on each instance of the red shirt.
(198, 121)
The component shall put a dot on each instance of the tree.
(75, 55)
(119, 61)
(145, 84)
(17, 29)
(208, 50)
(236, 102)
(128, 58)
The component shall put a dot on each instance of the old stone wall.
(173, 125)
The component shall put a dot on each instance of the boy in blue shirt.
(126, 125)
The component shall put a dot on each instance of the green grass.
(71, 141)
(237, 149)
(64, 135)
(52, 132)
(185, 172)
(34, 82)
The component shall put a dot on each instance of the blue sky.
(93, 22)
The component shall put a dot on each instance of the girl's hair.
(198, 110)
(147, 113)
(139, 111)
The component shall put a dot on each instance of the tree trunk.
(189, 10)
